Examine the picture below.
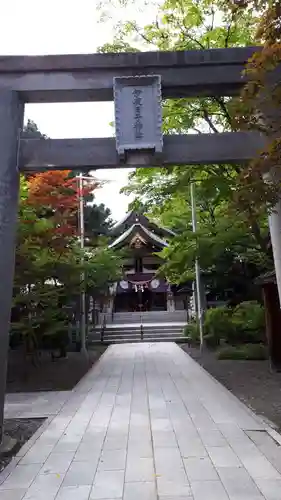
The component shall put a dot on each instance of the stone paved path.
(148, 423)
(34, 404)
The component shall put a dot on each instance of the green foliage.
(49, 277)
(248, 319)
(43, 319)
(232, 242)
(217, 325)
(242, 324)
(243, 352)
(192, 332)
(97, 221)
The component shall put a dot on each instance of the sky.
(37, 27)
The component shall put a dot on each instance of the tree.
(97, 221)
(54, 195)
(49, 260)
(258, 108)
(31, 131)
(237, 234)
(228, 254)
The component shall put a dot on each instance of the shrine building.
(141, 289)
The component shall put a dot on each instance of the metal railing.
(103, 327)
(141, 327)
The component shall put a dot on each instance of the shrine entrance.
(140, 301)
(139, 298)
(133, 301)
(137, 82)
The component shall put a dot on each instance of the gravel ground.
(251, 381)
(20, 429)
(59, 375)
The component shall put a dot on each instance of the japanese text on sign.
(138, 104)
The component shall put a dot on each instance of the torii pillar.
(274, 219)
(11, 122)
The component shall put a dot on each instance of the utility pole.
(82, 245)
(199, 311)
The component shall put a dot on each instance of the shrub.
(249, 322)
(217, 325)
(246, 351)
(192, 331)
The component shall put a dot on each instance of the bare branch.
(221, 103)
(194, 40)
(209, 121)
(227, 36)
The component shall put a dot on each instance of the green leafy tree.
(97, 221)
(50, 263)
(231, 240)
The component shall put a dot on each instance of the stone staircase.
(155, 326)
(131, 318)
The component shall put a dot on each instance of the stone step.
(133, 334)
(155, 333)
(147, 317)
(135, 340)
(132, 329)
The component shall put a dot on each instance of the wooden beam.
(69, 78)
(229, 147)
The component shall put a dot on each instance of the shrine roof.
(132, 218)
(145, 234)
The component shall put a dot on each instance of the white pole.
(273, 177)
(82, 244)
(197, 269)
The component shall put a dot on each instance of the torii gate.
(77, 78)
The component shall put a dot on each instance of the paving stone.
(21, 477)
(140, 491)
(270, 488)
(141, 450)
(260, 468)
(273, 454)
(74, 493)
(212, 438)
(80, 473)
(108, 484)
(140, 469)
(112, 460)
(175, 423)
(192, 448)
(116, 441)
(209, 490)
(177, 486)
(167, 459)
(164, 439)
(161, 424)
(67, 445)
(223, 457)
(38, 454)
(57, 463)
(87, 453)
(200, 469)
(175, 498)
(44, 487)
(173, 474)
(238, 483)
(12, 494)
